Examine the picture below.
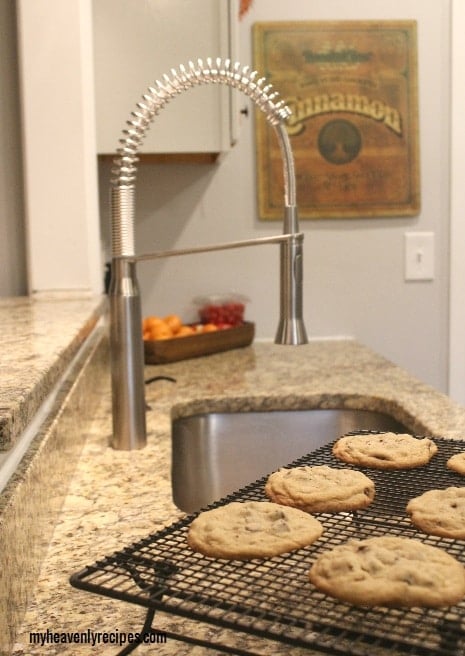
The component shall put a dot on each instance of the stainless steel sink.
(216, 453)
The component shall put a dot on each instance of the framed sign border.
(266, 143)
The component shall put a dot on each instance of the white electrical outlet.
(419, 255)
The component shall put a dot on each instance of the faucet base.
(292, 332)
(127, 359)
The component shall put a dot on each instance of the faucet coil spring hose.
(216, 71)
(219, 72)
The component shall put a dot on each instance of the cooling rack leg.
(146, 630)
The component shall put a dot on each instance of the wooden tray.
(162, 351)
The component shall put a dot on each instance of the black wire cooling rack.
(273, 598)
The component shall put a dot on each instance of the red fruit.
(230, 314)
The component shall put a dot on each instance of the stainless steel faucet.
(126, 344)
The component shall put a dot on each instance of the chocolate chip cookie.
(389, 571)
(440, 512)
(252, 529)
(385, 450)
(457, 463)
(320, 488)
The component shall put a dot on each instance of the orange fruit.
(160, 331)
(148, 322)
(209, 328)
(185, 331)
(174, 322)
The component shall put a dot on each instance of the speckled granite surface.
(116, 498)
(37, 341)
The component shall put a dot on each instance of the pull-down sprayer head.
(126, 346)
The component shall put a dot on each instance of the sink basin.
(214, 454)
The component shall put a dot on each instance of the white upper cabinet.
(135, 43)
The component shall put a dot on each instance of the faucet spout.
(126, 345)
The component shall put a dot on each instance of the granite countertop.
(118, 497)
(38, 340)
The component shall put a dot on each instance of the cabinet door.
(135, 43)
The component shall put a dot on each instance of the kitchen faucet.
(126, 343)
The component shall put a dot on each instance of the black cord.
(154, 378)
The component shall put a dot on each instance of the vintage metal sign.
(352, 88)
